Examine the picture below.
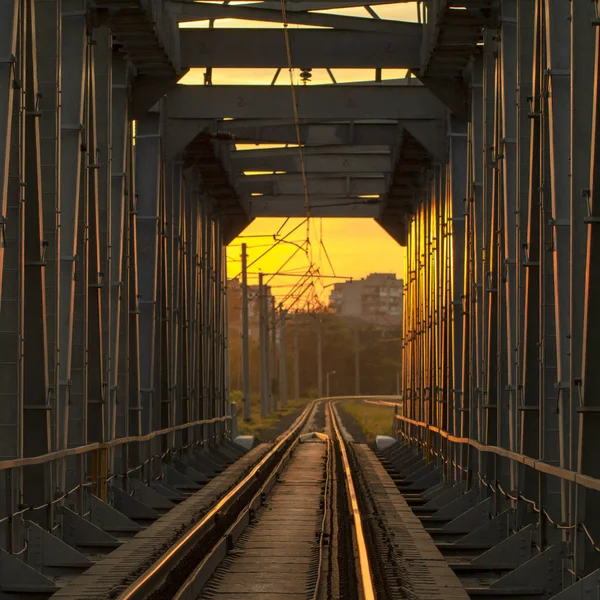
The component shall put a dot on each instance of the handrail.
(538, 465)
(40, 459)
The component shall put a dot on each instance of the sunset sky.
(342, 247)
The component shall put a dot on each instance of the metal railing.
(140, 457)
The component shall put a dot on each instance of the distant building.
(234, 296)
(377, 298)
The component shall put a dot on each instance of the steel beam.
(289, 161)
(312, 48)
(197, 11)
(314, 102)
(292, 185)
(148, 168)
(322, 207)
(74, 53)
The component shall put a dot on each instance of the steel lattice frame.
(119, 190)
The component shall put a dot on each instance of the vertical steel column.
(96, 280)
(116, 276)
(509, 98)
(147, 177)
(9, 12)
(558, 46)
(37, 483)
(488, 320)
(12, 269)
(48, 35)
(73, 72)
(589, 417)
(525, 52)
(582, 97)
(550, 488)
(530, 409)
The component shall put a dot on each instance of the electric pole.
(356, 362)
(264, 348)
(319, 359)
(282, 358)
(296, 366)
(273, 355)
(245, 335)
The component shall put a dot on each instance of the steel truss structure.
(119, 189)
(500, 361)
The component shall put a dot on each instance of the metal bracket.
(512, 552)
(110, 519)
(491, 533)
(18, 577)
(542, 571)
(471, 519)
(46, 552)
(79, 532)
(459, 506)
(584, 588)
(134, 508)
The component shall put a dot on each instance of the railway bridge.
(121, 183)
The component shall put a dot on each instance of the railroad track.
(292, 526)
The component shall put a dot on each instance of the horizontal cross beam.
(311, 48)
(313, 163)
(195, 11)
(321, 207)
(314, 102)
(290, 184)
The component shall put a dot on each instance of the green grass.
(374, 420)
(257, 425)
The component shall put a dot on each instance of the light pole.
(327, 381)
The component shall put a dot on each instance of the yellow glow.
(247, 147)
(356, 247)
(369, 196)
(251, 173)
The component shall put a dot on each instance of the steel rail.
(365, 579)
(157, 574)
(193, 585)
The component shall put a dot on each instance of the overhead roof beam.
(311, 48)
(304, 5)
(292, 185)
(194, 11)
(323, 207)
(325, 163)
(313, 101)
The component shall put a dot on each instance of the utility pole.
(245, 335)
(282, 358)
(264, 344)
(296, 366)
(356, 362)
(319, 359)
(273, 355)
(328, 390)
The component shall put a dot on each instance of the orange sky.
(356, 247)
